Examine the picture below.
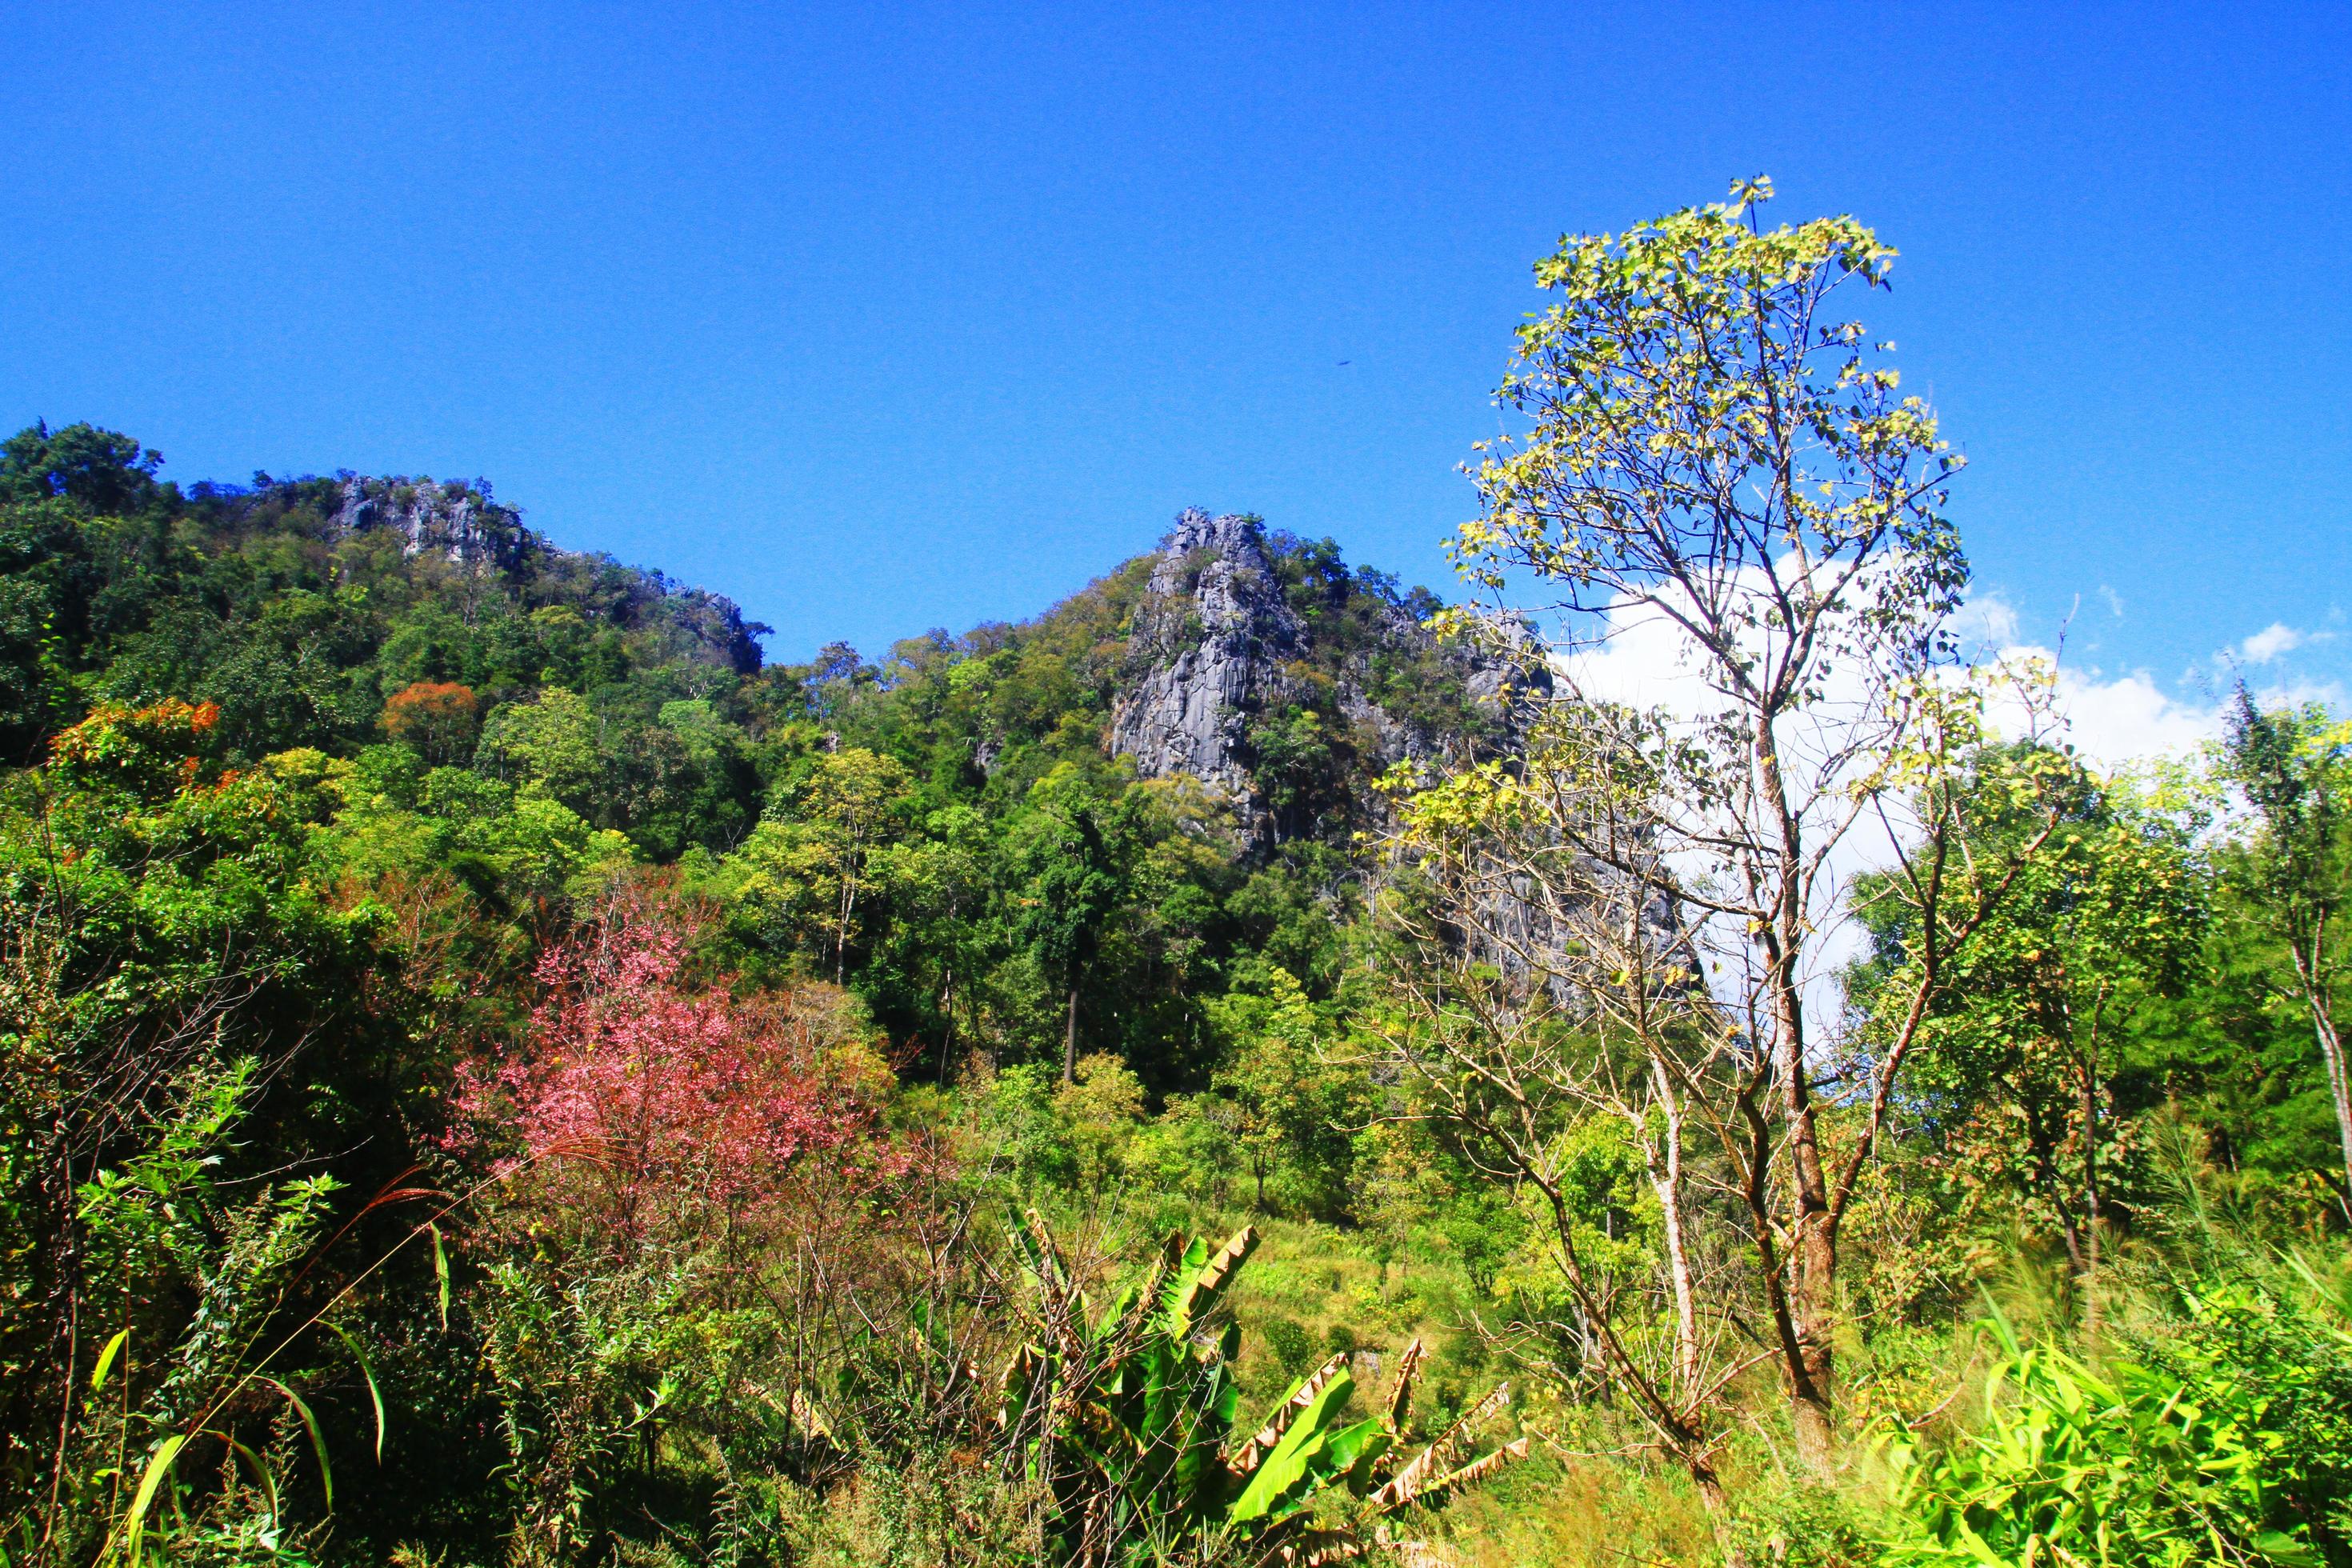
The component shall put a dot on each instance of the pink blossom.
(656, 1093)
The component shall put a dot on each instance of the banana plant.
(1125, 1422)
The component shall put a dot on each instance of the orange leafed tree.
(439, 718)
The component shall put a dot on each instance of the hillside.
(494, 1071)
(457, 667)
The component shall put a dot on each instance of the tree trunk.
(2089, 1083)
(2087, 1094)
(2042, 1143)
(947, 1023)
(1668, 1183)
(2331, 1051)
(1813, 1242)
(841, 938)
(1718, 1510)
(1678, 1423)
(2339, 1084)
(1070, 1041)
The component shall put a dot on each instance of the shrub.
(1287, 1340)
(686, 1170)
(1800, 1524)
(151, 752)
(640, 1091)
(1126, 1418)
(2223, 1446)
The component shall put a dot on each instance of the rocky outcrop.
(462, 525)
(459, 522)
(1211, 639)
(1218, 648)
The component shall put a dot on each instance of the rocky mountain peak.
(458, 521)
(462, 524)
(1261, 667)
(1210, 639)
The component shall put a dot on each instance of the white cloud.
(2111, 719)
(1986, 620)
(2119, 719)
(2273, 640)
(1645, 660)
(2115, 601)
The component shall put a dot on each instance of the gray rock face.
(457, 520)
(1216, 647)
(461, 523)
(1210, 640)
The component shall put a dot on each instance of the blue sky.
(879, 319)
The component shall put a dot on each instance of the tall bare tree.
(1716, 459)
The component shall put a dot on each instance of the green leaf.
(1355, 1449)
(374, 1393)
(440, 1272)
(1290, 1467)
(1204, 1284)
(159, 1465)
(105, 1361)
(318, 1439)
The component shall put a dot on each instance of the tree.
(1294, 1107)
(805, 873)
(2015, 1064)
(2294, 771)
(435, 717)
(1716, 459)
(46, 581)
(667, 1154)
(104, 470)
(654, 1092)
(551, 740)
(170, 971)
(854, 803)
(1552, 1005)
(938, 886)
(1074, 873)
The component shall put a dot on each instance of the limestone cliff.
(458, 521)
(1263, 668)
(462, 524)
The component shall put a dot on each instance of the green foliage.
(1287, 1340)
(1125, 1422)
(1802, 1524)
(2294, 771)
(194, 1280)
(2032, 1065)
(1680, 356)
(100, 469)
(940, 832)
(1295, 1110)
(2228, 1444)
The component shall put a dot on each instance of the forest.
(1259, 1065)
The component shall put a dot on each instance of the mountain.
(1257, 662)
(1071, 834)
(1268, 671)
(301, 606)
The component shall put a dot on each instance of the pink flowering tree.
(643, 1100)
(691, 1180)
